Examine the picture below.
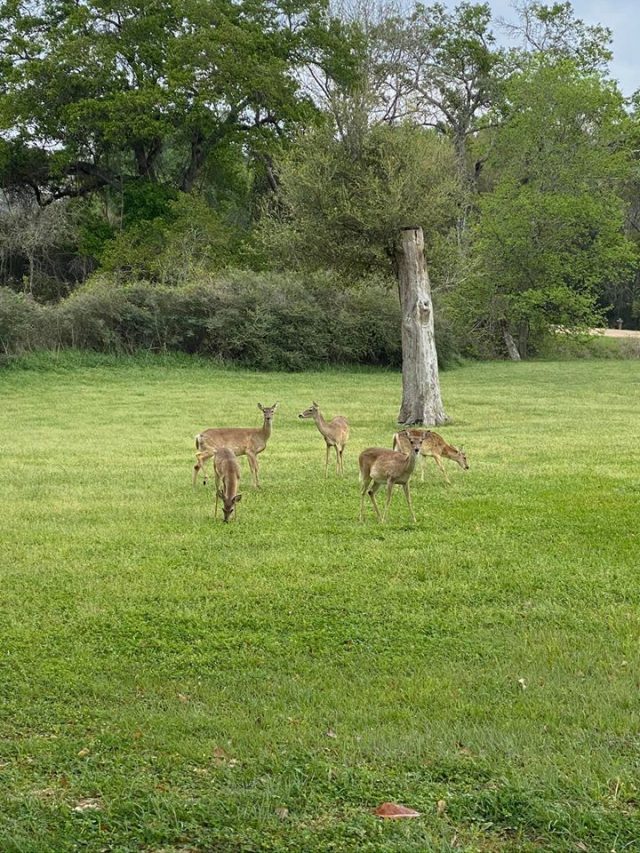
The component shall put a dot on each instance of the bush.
(24, 323)
(261, 320)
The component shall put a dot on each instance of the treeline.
(229, 177)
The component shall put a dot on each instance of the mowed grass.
(173, 684)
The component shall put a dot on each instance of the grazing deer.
(242, 441)
(433, 445)
(227, 473)
(335, 433)
(379, 465)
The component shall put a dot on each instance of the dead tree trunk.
(421, 400)
(510, 344)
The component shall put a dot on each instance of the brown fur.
(335, 433)
(227, 473)
(243, 441)
(432, 445)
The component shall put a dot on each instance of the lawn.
(170, 683)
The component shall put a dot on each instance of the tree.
(549, 234)
(342, 206)
(104, 90)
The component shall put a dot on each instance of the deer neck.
(320, 422)
(265, 431)
(230, 483)
(410, 464)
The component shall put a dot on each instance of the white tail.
(335, 433)
(432, 445)
(227, 473)
(242, 441)
(379, 465)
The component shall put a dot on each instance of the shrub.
(262, 320)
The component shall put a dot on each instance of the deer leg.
(337, 459)
(438, 462)
(364, 487)
(390, 485)
(422, 467)
(326, 462)
(253, 464)
(372, 494)
(341, 460)
(407, 495)
(199, 466)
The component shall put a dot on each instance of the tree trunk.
(512, 349)
(421, 400)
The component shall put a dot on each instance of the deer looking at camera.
(379, 465)
(227, 473)
(335, 433)
(242, 441)
(435, 446)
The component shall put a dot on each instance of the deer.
(227, 474)
(335, 433)
(380, 465)
(243, 441)
(435, 446)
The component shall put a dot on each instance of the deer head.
(461, 458)
(311, 412)
(268, 411)
(414, 440)
(228, 505)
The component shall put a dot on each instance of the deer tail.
(199, 441)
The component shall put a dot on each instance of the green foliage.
(549, 236)
(342, 209)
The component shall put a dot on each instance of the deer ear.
(260, 406)
(275, 405)
(313, 403)
(237, 498)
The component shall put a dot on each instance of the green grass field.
(173, 684)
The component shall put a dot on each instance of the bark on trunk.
(512, 349)
(421, 400)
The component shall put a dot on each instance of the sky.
(623, 19)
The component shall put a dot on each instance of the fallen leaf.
(88, 804)
(580, 845)
(330, 733)
(522, 683)
(84, 752)
(394, 811)
(183, 698)
(441, 807)
(283, 813)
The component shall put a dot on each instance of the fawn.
(227, 474)
(335, 433)
(379, 465)
(432, 445)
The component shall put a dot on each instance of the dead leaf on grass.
(394, 811)
(88, 804)
(331, 733)
(283, 813)
(441, 806)
(84, 752)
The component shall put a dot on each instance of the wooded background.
(230, 177)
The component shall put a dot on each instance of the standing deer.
(335, 433)
(379, 465)
(243, 441)
(435, 446)
(227, 473)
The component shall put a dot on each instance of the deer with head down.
(432, 445)
(380, 465)
(335, 433)
(243, 441)
(227, 474)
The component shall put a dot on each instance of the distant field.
(171, 684)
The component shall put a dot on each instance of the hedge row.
(265, 321)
